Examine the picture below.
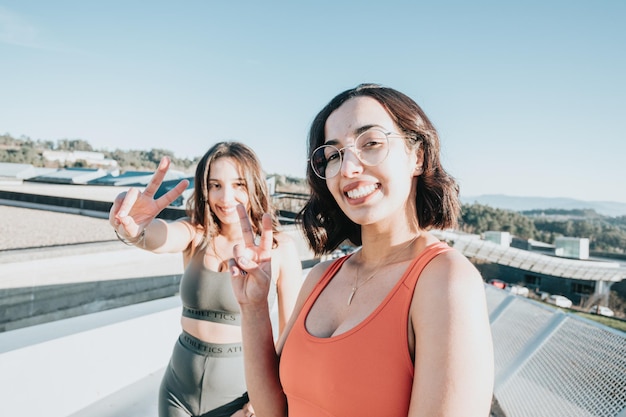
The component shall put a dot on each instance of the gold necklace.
(356, 285)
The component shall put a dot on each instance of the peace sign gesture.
(133, 210)
(251, 268)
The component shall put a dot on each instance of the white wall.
(58, 368)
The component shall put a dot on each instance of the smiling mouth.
(228, 210)
(362, 191)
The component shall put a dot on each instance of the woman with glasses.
(400, 326)
(205, 376)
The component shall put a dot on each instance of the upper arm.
(305, 290)
(453, 347)
(289, 279)
(169, 237)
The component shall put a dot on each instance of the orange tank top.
(366, 371)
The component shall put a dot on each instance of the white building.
(92, 158)
(572, 247)
(501, 238)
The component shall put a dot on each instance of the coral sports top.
(366, 371)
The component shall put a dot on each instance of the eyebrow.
(230, 180)
(356, 132)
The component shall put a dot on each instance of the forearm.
(160, 236)
(261, 363)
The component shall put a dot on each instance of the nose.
(351, 165)
(227, 194)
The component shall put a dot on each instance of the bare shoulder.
(449, 298)
(286, 244)
(454, 265)
(450, 275)
(184, 236)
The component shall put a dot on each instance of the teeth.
(361, 191)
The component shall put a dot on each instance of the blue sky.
(529, 97)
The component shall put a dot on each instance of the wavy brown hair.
(250, 170)
(437, 195)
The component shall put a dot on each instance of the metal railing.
(549, 363)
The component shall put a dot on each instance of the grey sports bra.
(208, 295)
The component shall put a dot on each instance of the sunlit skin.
(381, 191)
(227, 188)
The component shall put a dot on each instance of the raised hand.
(251, 267)
(133, 210)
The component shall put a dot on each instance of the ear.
(419, 162)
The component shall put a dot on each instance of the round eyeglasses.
(371, 147)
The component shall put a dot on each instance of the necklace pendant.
(351, 295)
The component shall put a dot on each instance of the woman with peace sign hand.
(205, 375)
(398, 328)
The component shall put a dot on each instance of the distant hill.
(606, 208)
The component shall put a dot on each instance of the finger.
(129, 227)
(167, 198)
(115, 208)
(157, 178)
(267, 234)
(234, 269)
(127, 203)
(246, 226)
(242, 258)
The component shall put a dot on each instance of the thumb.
(246, 263)
(241, 260)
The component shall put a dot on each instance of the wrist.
(255, 309)
(140, 239)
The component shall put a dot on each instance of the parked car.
(518, 289)
(560, 301)
(497, 283)
(602, 310)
